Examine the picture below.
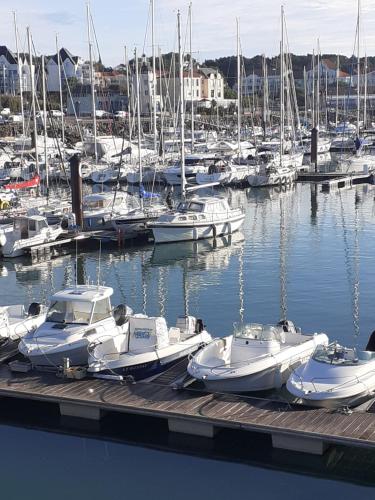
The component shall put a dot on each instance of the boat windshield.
(255, 331)
(70, 312)
(93, 204)
(335, 354)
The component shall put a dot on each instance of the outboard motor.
(199, 326)
(287, 326)
(34, 309)
(371, 343)
(121, 314)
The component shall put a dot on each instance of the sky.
(120, 23)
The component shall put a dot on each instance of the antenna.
(100, 257)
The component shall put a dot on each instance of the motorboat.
(15, 321)
(272, 175)
(199, 217)
(77, 317)
(99, 208)
(194, 164)
(335, 376)
(149, 347)
(255, 358)
(25, 232)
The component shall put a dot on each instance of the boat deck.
(196, 412)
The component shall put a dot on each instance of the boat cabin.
(82, 305)
(30, 226)
(204, 205)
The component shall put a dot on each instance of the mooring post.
(76, 187)
(314, 147)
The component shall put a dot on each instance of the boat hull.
(173, 233)
(54, 357)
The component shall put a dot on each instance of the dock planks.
(220, 410)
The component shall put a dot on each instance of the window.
(182, 218)
(195, 207)
(32, 225)
(197, 93)
(102, 310)
(78, 312)
(212, 93)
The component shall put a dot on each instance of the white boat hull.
(172, 233)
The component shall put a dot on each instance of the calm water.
(303, 254)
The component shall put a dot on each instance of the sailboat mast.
(92, 81)
(20, 79)
(128, 92)
(282, 86)
(305, 94)
(45, 125)
(239, 90)
(154, 82)
(191, 74)
(61, 94)
(318, 88)
(365, 96)
(358, 66)
(337, 89)
(182, 106)
(138, 116)
(32, 82)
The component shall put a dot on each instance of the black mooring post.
(76, 187)
(314, 147)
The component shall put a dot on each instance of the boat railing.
(333, 388)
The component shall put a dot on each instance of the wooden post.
(76, 186)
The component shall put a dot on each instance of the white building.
(328, 73)
(12, 74)
(70, 67)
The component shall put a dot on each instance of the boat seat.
(174, 335)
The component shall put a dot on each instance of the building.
(328, 73)
(212, 83)
(79, 103)
(13, 74)
(70, 68)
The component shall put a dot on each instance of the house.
(328, 72)
(14, 74)
(71, 67)
(79, 103)
(212, 84)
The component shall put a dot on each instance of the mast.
(239, 90)
(138, 117)
(182, 106)
(282, 86)
(19, 71)
(61, 94)
(305, 94)
(358, 66)
(318, 89)
(365, 96)
(128, 92)
(32, 82)
(265, 96)
(154, 82)
(92, 81)
(337, 89)
(45, 125)
(191, 74)
(313, 91)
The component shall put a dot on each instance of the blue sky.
(124, 22)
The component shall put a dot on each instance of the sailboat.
(199, 217)
(282, 169)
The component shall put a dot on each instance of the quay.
(195, 412)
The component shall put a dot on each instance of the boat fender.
(214, 232)
(65, 223)
(277, 180)
(34, 309)
(120, 314)
(371, 343)
(283, 180)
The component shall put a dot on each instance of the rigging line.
(283, 269)
(96, 40)
(147, 26)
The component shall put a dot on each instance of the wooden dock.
(195, 412)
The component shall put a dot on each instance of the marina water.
(303, 255)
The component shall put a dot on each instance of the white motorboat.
(77, 317)
(16, 322)
(255, 358)
(148, 348)
(194, 164)
(272, 175)
(221, 172)
(335, 376)
(204, 217)
(114, 173)
(99, 208)
(26, 232)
